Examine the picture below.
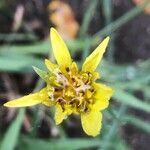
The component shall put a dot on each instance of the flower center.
(73, 89)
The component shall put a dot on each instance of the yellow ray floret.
(29, 100)
(60, 49)
(59, 115)
(91, 122)
(102, 95)
(51, 67)
(70, 90)
(94, 59)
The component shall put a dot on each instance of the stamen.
(61, 79)
(73, 79)
(92, 90)
(86, 109)
(51, 96)
(61, 101)
(83, 87)
(67, 69)
(56, 89)
(83, 106)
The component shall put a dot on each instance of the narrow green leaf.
(11, 136)
(17, 37)
(19, 63)
(111, 133)
(137, 122)
(88, 17)
(36, 48)
(120, 143)
(67, 144)
(130, 100)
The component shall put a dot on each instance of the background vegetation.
(126, 67)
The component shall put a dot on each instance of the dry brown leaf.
(27, 123)
(138, 2)
(62, 16)
(18, 17)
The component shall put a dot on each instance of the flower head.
(70, 90)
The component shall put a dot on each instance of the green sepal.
(42, 74)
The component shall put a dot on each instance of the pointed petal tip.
(51, 67)
(8, 104)
(60, 49)
(53, 31)
(46, 60)
(107, 39)
(93, 60)
(57, 123)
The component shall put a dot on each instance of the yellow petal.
(29, 100)
(91, 122)
(74, 68)
(95, 76)
(47, 102)
(59, 115)
(51, 67)
(94, 59)
(60, 50)
(101, 96)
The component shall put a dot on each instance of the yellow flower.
(70, 90)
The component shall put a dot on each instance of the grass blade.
(130, 100)
(87, 17)
(11, 137)
(67, 144)
(140, 124)
(122, 20)
(19, 63)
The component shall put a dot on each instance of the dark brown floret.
(92, 90)
(73, 79)
(86, 109)
(59, 73)
(67, 69)
(61, 101)
(56, 89)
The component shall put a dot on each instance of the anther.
(82, 93)
(59, 73)
(67, 69)
(73, 79)
(56, 89)
(87, 81)
(89, 73)
(61, 101)
(92, 90)
(86, 109)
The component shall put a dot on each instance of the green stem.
(87, 17)
(114, 127)
(108, 11)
